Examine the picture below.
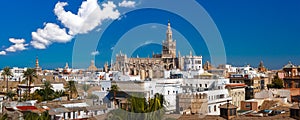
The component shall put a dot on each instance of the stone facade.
(193, 103)
(151, 67)
(237, 92)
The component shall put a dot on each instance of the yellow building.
(237, 92)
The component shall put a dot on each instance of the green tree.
(37, 95)
(44, 116)
(138, 103)
(58, 94)
(6, 73)
(140, 109)
(10, 94)
(71, 87)
(31, 116)
(34, 116)
(4, 117)
(48, 91)
(29, 74)
(276, 83)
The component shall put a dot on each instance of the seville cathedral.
(154, 67)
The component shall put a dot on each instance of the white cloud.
(89, 15)
(49, 34)
(18, 45)
(129, 4)
(94, 53)
(2, 53)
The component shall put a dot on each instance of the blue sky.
(251, 31)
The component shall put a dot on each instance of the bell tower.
(169, 45)
(38, 70)
(169, 50)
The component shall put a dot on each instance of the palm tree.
(29, 74)
(71, 87)
(6, 73)
(140, 109)
(114, 89)
(10, 94)
(4, 117)
(48, 91)
(38, 95)
(58, 94)
(30, 115)
(44, 116)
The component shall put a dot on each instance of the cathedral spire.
(169, 32)
(37, 66)
(37, 62)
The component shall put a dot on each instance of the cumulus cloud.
(94, 53)
(89, 15)
(49, 34)
(129, 4)
(2, 53)
(18, 45)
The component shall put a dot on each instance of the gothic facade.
(152, 67)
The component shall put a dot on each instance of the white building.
(192, 63)
(214, 87)
(17, 74)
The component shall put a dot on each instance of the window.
(200, 85)
(222, 96)
(209, 109)
(215, 108)
(168, 92)
(248, 105)
(206, 85)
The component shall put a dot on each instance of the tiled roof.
(27, 108)
(236, 85)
